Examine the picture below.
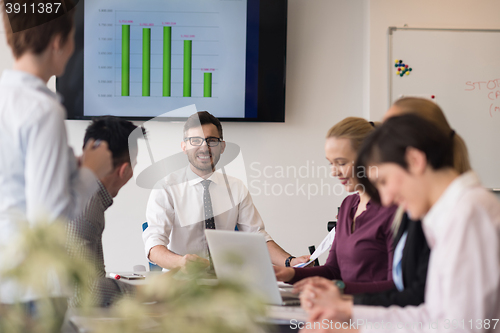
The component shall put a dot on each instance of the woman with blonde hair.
(430, 111)
(360, 259)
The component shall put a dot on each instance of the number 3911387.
(34, 8)
(473, 324)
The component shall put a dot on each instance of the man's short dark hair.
(202, 118)
(33, 34)
(115, 131)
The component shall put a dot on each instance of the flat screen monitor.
(141, 59)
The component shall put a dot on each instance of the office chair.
(329, 226)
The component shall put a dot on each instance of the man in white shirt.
(197, 197)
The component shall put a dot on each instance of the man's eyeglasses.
(197, 141)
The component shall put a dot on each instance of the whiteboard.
(460, 71)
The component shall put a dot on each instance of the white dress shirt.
(39, 176)
(175, 212)
(463, 279)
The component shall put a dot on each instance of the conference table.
(278, 319)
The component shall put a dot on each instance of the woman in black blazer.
(414, 267)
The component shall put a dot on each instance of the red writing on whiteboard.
(486, 89)
(493, 95)
(479, 85)
(494, 108)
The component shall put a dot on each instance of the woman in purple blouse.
(361, 254)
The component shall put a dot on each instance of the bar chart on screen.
(164, 55)
(158, 57)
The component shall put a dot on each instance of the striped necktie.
(207, 203)
(209, 215)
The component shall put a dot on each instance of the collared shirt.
(39, 175)
(397, 269)
(176, 217)
(85, 239)
(363, 258)
(463, 284)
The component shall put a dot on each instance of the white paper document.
(322, 248)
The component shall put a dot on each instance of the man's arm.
(160, 215)
(169, 260)
(279, 256)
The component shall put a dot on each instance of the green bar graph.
(166, 57)
(146, 61)
(167, 61)
(125, 60)
(207, 85)
(188, 60)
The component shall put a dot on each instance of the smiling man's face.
(203, 159)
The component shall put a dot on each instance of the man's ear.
(416, 161)
(125, 170)
(222, 146)
(184, 146)
(56, 43)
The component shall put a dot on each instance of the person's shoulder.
(222, 177)
(39, 98)
(81, 227)
(350, 200)
(235, 184)
(480, 201)
(32, 106)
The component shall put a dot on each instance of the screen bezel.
(269, 98)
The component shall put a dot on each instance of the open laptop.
(243, 257)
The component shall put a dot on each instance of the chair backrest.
(330, 225)
(152, 267)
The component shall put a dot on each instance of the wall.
(325, 83)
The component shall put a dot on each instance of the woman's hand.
(323, 300)
(284, 274)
